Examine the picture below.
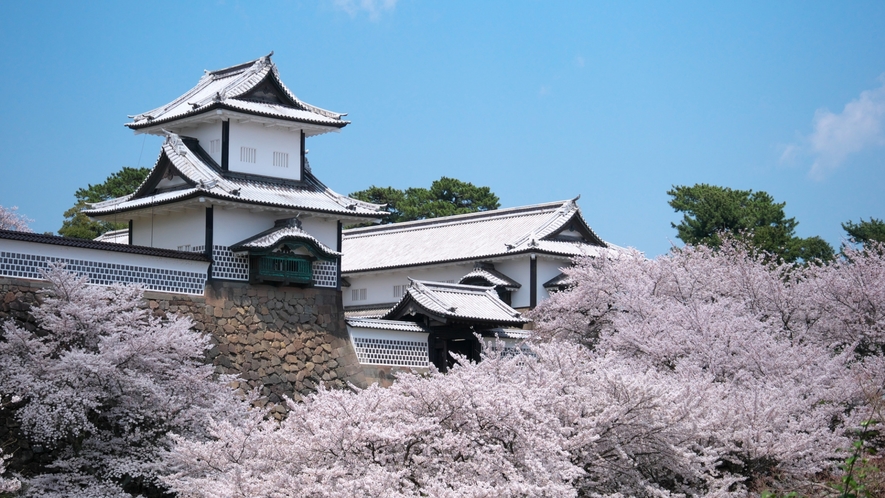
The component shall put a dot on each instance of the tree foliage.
(702, 373)
(865, 231)
(101, 385)
(123, 182)
(754, 217)
(445, 197)
(10, 220)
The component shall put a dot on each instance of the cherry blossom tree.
(10, 220)
(559, 423)
(707, 372)
(7, 484)
(774, 351)
(100, 385)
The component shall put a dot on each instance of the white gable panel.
(205, 134)
(233, 225)
(171, 230)
(518, 269)
(380, 286)
(548, 269)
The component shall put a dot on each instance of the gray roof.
(374, 323)
(204, 178)
(283, 230)
(367, 310)
(537, 228)
(230, 88)
(455, 303)
(561, 280)
(488, 273)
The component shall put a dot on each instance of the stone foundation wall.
(280, 340)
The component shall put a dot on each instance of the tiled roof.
(561, 280)
(368, 311)
(374, 323)
(101, 246)
(227, 89)
(283, 230)
(205, 179)
(456, 303)
(491, 275)
(472, 236)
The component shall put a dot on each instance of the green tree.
(865, 231)
(754, 217)
(445, 197)
(77, 225)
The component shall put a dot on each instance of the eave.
(219, 111)
(449, 262)
(202, 198)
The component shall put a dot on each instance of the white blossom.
(102, 384)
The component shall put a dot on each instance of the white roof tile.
(375, 323)
(223, 89)
(492, 276)
(457, 302)
(207, 180)
(467, 237)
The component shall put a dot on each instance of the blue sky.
(540, 101)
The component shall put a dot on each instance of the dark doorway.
(445, 343)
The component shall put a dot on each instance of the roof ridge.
(420, 290)
(224, 87)
(208, 77)
(453, 219)
(241, 65)
(479, 289)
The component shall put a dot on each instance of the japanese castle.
(232, 198)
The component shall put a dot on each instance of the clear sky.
(539, 100)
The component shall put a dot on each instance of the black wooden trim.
(210, 228)
(338, 248)
(533, 281)
(225, 145)
(130, 232)
(56, 240)
(302, 158)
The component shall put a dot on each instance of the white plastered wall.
(547, 269)
(171, 230)
(205, 133)
(230, 226)
(518, 269)
(324, 229)
(235, 224)
(379, 286)
(265, 141)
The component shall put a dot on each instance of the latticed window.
(283, 268)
